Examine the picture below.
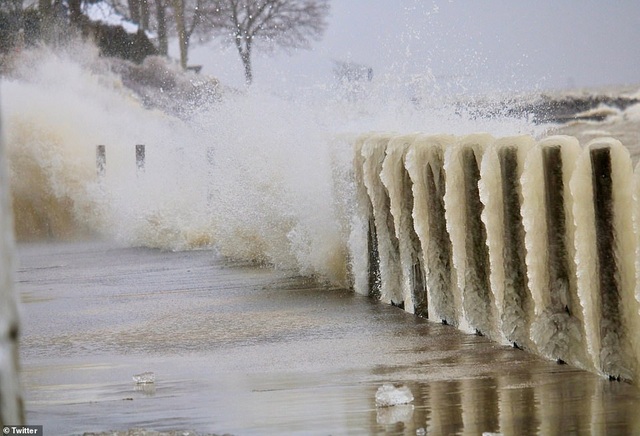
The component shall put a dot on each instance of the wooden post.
(101, 160)
(477, 289)
(140, 156)
(611, 324)
(558, 260)
(439, 256)
(11, 404)
(517, 305)
(375, 281)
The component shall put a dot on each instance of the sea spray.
(273, 195)
(252, 179)
(249, 173)
(56, 114)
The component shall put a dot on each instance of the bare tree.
(188, 16)
(140, 12)
(287, 24)
(161, 19)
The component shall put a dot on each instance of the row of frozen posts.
(529, 243)
(101, 159)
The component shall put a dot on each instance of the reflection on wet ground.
(248, 350)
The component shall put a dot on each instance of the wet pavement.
(246, 350)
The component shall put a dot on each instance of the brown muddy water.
(251, 351)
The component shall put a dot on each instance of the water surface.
(251, 351)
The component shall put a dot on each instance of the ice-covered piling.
(396, 179)
(468, 233)
(636, 225)
(532, 243)
(558, 327)
(605, 255)
(373, 151)
(424, 162)
(501, 195)
(366, 263)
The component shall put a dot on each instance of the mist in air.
(462, 47)
(262, 173)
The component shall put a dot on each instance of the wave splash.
(257, 176)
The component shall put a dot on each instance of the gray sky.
(480, 45)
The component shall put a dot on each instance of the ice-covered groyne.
(534, 243)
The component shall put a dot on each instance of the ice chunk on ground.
(145, 377)
(389, 395)
(393, 415)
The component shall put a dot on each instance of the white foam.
(249, 173)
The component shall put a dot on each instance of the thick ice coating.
(530, 243)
